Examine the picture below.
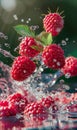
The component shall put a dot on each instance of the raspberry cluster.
(52, 55)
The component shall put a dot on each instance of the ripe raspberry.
(22, 68)
(47, 102)
(19, 101)
(36, 111)
(53, 23)
(53, 56)
(72, 108)
(70, 66)
(6, 109)
(25, 47)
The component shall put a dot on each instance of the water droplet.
(24, 71)
(67, 39)
(29, 19)
(66, 87)
(15, 17)
(67, 75)
(58, 63)
(54, 60)
(64, 42)
(61, 81)
(7, 45)
(22, 20)
(2, 35)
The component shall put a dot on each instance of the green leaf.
(45, 38)
(38, 48)
(24, 30)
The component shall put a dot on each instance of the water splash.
(6, 53)
(2, 35)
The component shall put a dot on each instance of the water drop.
(22, 20)
(64, 42)
(58, 63)
(67, 75)
(29, 19)
(66, 87)
(67, 39)
(15, 17)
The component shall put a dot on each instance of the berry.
(26, 47)
(70, 66)
(19, 101)
(53, 56)
(6, 109)
(36, 111)
(47, 102)
(72, 108)
(22, 68)
(53, 23)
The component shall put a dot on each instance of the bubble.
(66, 87)
(7, 45)
(74, 41)
(22, 20)
(61, 81)
(34, 27)
(29, 19)
(54, 60)
(58, 63)
(64, 42)
(67, 75)
(15, 17)
(67, 39)
(2, 35)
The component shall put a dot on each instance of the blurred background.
(13, 12)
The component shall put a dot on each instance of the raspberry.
(22, 68)
(53, 56)
(36, 111)
(70, 66)
(72, 108)
(53, 23)
(6, 109)
(25, 47)
(47, 102)
(19, 101)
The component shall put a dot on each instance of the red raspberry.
(22, 68)
(25, 47)
(47, 102)
(53, 23)
(70, 66)
(18, 101)
(53, 56)
(72, 108)
(36, 111)
(6, 109)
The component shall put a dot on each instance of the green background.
(34, 9)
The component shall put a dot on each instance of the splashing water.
(38, 83)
